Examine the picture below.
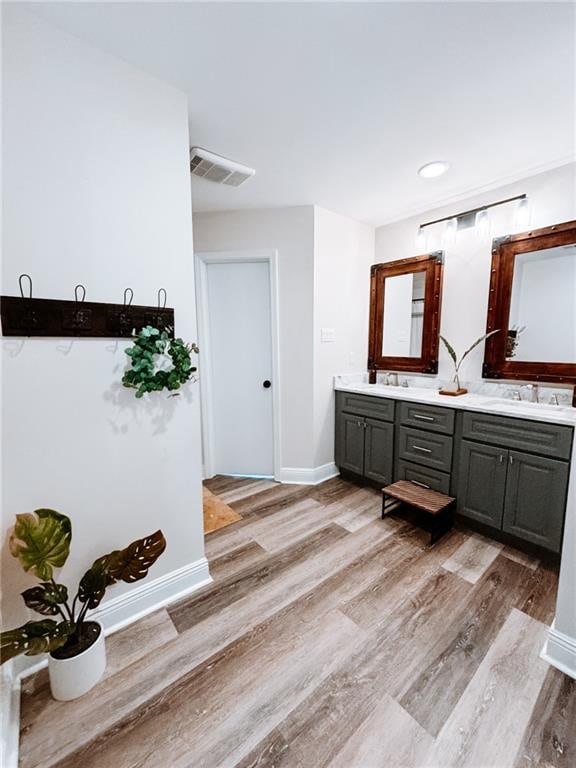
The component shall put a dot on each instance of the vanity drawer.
(365, 405)
(424, 476)
(431, 417)
(532, 436)
(425, 448)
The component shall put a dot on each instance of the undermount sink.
(527, 406)
(377, 387)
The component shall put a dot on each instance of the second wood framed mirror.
(533, 305)
(405, 299)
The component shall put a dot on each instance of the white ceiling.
(340, 104)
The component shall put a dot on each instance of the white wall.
(467, 266)
(291, 232)
(96, 190)
(344, 251)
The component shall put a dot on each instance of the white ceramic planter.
(71, 678)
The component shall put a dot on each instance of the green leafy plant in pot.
(77, 660)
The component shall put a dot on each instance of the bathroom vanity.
(507, 463)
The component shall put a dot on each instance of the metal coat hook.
(128, 291)
(76, 299)
(162, 291)
(23, 275)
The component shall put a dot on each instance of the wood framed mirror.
(405, 298)
(533, 303)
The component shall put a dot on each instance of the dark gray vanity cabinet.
(535, 500)
(350, 443)
(520, 492)
(509, 474)
(482, 482)
(378, 450)
(424, 445)
(364, 443)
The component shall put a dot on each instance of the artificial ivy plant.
(41, 542)
(150, 345)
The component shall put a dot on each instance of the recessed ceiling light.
(434, 169)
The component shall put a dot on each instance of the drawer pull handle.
(419, 448)
(424, 418)
(422, 485)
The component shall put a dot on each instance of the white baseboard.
(118, 612)
(301, 476)
(560, 651)
(114, 614)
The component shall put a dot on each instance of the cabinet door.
(350, 453)
(379, 447)
(536, 499)
(482, 482)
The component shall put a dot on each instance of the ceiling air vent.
(218, 169)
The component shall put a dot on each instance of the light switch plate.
(327, 334)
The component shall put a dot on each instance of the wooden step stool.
(437, 505)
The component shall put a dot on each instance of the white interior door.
(240, 352)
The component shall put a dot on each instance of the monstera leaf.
(45, 598)
(130, 564)
(41, 541)
(93, 584)
(34, 637)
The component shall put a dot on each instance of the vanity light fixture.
(449, 235)
(522, 215)
(421, 240)
(434, 169)
(478, 217)
(482, 222)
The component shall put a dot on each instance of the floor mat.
(217, 513)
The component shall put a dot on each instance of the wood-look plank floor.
(329, 637)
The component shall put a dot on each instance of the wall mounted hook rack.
(26, 316)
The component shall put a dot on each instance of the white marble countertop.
(552, 414)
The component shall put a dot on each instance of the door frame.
(201, 261)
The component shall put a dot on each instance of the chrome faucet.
(516, 394)
(532, 393)
(554, 399)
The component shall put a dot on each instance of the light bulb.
(522, 215)
(482, 222)
(421, 239)
(449, 235)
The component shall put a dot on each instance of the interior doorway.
(239, 362)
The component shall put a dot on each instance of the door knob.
(266, 384)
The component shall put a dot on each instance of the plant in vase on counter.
(77, 660)
(453, 387)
